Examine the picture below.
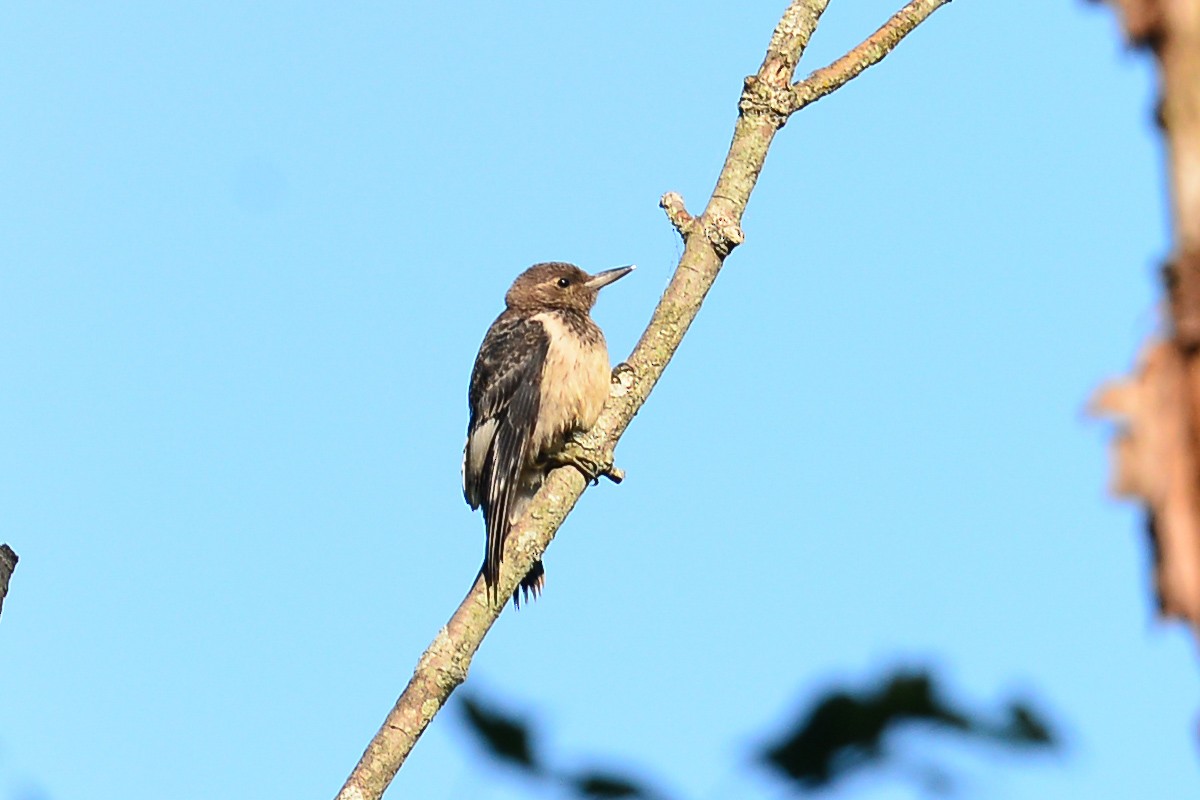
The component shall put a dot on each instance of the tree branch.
(868, 54)
(1157, 446)
(8, 563)
(672, 203)
(765, 104)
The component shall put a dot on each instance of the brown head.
(559, 285)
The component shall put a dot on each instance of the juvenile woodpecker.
(542, 374)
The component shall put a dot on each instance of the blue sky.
(250, 251)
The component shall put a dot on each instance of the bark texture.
(8, 562)
(1157, 447)
(768, 99)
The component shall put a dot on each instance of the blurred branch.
(1156, 451)
(766, 103)
(8, 563)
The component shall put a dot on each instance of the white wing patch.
(474, 454)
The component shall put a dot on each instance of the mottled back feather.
(504, 399)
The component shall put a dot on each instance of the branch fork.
(720, 230)
(763, 98)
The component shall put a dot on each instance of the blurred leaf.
(604, 785)
(505, 737)
(1026, 727)
(846, 731)
(843, 732)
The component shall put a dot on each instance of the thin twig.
(869, 53)
(672, 203)
(764, 107)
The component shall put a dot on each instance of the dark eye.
(564, 283)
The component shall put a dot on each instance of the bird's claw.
(591, 469)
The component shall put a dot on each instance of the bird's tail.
(531, 584)
(535, 579)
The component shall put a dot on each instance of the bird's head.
(559, 285)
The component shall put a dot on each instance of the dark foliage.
(607, 786)
(846, 731)
(506, 738)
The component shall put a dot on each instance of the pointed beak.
(601, 279)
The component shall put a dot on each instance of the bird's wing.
(505, 395)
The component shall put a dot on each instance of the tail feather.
(535, 580)
(531, 584)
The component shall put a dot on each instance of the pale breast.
(575, 382)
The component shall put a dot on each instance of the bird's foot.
(590, 468)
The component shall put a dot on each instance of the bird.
(541, 376)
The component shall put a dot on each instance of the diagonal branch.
(867, 54)
(789, 40)
(765, 105)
